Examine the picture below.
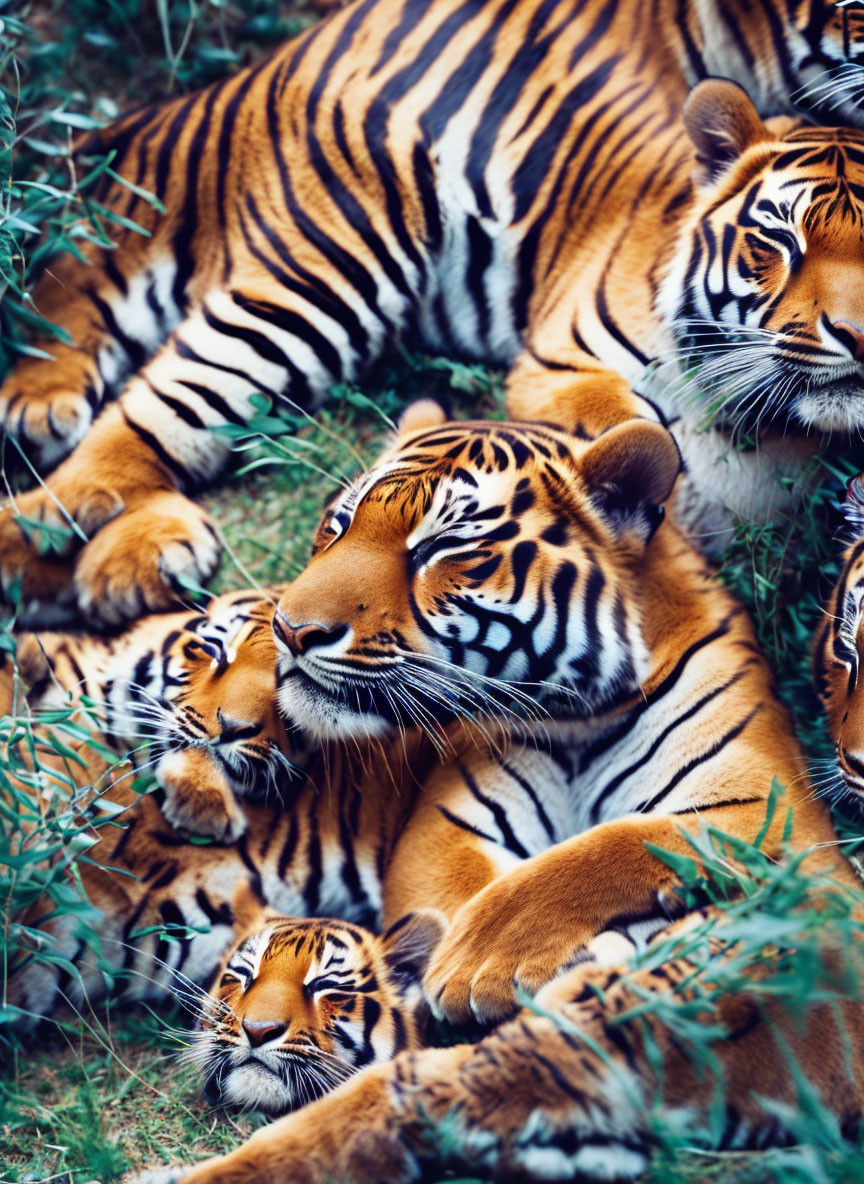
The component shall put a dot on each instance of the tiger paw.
(39, 533)
(199, 799)
(499, 947)
(145, 560)
(48, 425)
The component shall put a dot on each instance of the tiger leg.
(474, 822)
(159, 438)
(520, 930)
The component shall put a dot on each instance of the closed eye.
(233, 976)
(448, 543)
(332, 987)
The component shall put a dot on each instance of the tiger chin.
(299, 1005)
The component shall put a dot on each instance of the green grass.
(95, 1103)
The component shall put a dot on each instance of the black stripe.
(703, 757)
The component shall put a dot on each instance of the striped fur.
(508, 181)
(567, 1090)
(517, 574)
(837, 649)
(605, 688)
(577, 1091)
(529, 835)
(297, 1006)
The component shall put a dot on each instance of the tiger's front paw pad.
(199, 799)
(143, 561)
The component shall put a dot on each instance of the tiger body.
(508, 181)
(574, 1087)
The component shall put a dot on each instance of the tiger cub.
(214, 737)
(297, 1006)
(514, 182)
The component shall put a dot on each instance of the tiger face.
(300, 1005)
(837, 652)
(479, 569)
(765, 293)
(200, 689)
(822, 56)
(222, 737)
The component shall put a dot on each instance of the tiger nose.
(852, 336)
(298, 639)
(257, 1031)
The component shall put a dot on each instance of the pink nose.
(257, 1031)
(853, 338)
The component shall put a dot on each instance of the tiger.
(513, 182)
(215, 738)
(570, 1089)
(296, 1005)
(299, 1005)
(191, 699)
(837, 647)
(514, 557)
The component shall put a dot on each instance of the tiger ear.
(419, 416)
(630, 471)
(722, 123)
(408, 945)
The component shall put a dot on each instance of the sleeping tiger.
(477, 562)
(511, 181)
(298, 1006)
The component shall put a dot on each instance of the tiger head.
(838, 648)
(806, 52)
(200, 688)
(478, 569)
(297, 1006)
(765, 290)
